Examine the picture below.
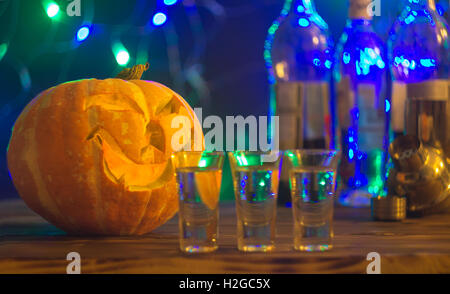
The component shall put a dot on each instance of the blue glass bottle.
(419, 51)
(299, 56)
(419, 44)
(361, 78)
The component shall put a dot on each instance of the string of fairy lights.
(122, 56)
(186, 72)
(185, 66)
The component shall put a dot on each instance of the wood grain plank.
(28, 244)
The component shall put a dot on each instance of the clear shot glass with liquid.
(255, 182)
(199, 177)
(312, 176)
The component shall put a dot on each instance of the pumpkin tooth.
(164, 107)
(165, 176)
(124, 170)
(151, 154)
(156, 135)
(147, 154)
(103, 135)
(108, 173)
(121, 180)
(92, 133)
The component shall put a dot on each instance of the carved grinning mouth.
(151, 166)
(122, 170)
(151, 169)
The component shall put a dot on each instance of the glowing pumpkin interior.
(138, 158)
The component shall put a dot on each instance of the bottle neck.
(303, 6)
(361, 9)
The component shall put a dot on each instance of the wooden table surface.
(29, 244)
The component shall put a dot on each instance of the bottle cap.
(361, 9)
(390, 208)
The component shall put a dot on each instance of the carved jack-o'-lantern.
(93, 156)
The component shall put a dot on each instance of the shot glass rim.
(313, 151)
(218, 155)
(212, 153)
(232, 157)
(279, 152)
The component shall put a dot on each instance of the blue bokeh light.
(83, 33)
(388, 106)
(351, 154)
(170, 2)
(159, 19)
(303, 22)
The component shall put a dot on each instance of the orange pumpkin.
(93, 156)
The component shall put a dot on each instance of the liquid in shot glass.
(255, 182)
(312, 175)
(199, 176)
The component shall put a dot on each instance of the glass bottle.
(419, 51)
(419, 56)
(361, 78)
(299, 56)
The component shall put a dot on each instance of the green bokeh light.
(122, 57)
(3, 50)
(52, 10)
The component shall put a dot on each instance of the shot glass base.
(313, 248)
(256, 248)
(198, 249)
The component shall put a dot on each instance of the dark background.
(210, 51)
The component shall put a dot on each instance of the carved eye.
(118, 98)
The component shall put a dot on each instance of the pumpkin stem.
(134, 73)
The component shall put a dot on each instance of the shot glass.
(199, 176)
(312, 176)
(255, 182)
